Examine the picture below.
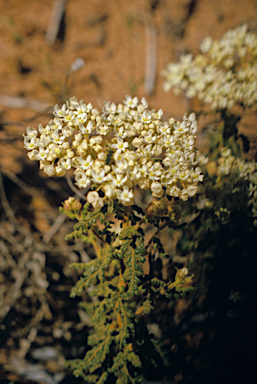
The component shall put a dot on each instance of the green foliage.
(133, 256)
(122, 292)
(89, 220)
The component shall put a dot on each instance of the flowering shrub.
(223, 75)
(113, 152)
(222, 237)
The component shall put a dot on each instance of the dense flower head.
(125, 146)
(224, 74)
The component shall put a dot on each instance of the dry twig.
(151, 57)
(55, 21)
(21, 102)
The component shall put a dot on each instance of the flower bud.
(157, 189)
(60, 171)
(95, 112)
(72, 207)
(49, 170)
(65, 145)
(94, 199)
(69, 154)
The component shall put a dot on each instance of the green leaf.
(90, 219)
(94, 358)
(128, 233)
(118, 210)
(93, 271)
(147, 306)
(103, 378)
(158, 245)
(133, 258)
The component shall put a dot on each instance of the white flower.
(102, 129)
(57, 138)
(110, 107)
(33, 155)
(99, 177)
(168, 141)
(60, 112)
(131, 103)
(166, 178)
(146, 117)
(144, 102)
(81, 108)
(119, 180)
(154, 173)
(30, 143)
(43, 130)
(59, 170)
(144, 183)
(195, 174)
(82, 180)
(183, 174)
(121, 166)
(85, 163)
(65, 163)
(126, 196)
(42, 153)
(206, 44)
(165, 128)
(31, 132)
(120, 146)
(157, 115)
(81, 118)
(88, 129)
(149, 139)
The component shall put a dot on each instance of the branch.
(55, 21)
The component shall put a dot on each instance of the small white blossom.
(120, 146)
(82, 180)
(131, 103)
(126, 196)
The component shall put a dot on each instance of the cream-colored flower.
(126, 196)
(124, 147)
(131, 103)
(120, 145)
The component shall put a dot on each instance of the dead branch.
(29, 190)
(21, 102)
(150, 58)
(54, 228)
(55, 21)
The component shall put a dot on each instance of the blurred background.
(97, 50)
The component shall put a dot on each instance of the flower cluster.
(228, 164)
(125, 146)
(224, 74)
